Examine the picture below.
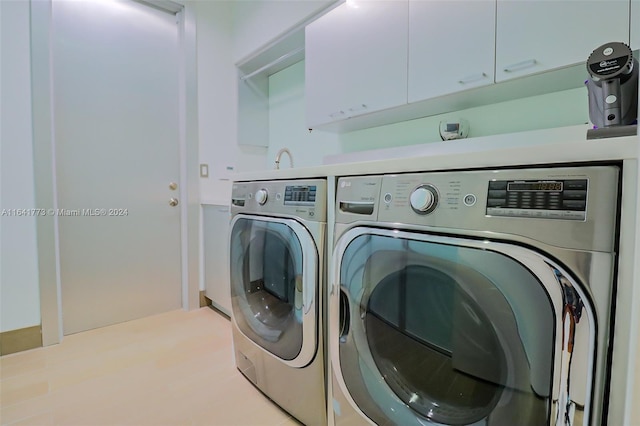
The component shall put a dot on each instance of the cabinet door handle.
(472, 78)
(520, 65)
(336, 115)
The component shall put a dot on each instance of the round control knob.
(261, 196)
(424, 199)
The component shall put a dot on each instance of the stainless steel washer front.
(471, 305)
(277, 243)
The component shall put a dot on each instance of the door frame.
(44, 145)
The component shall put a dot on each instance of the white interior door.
(116, 120)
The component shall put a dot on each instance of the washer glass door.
(273, 285)
(449, 331)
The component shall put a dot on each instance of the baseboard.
(220, 310)
(20, 340)
(204, 300)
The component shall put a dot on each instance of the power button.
(469, 200)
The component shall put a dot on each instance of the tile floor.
(171, 369)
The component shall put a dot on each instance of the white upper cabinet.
(539, 35)
(451, 46)
(356, 60)
(383, 61)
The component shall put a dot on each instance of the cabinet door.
(356, 60)
(540, 35)
(215, 221)
(451, 46)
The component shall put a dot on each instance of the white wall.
(559, 109)
(287, 122)
(19, 292)
(633, 401)
(216, 81)
(229, 31)
(257, 22)
(217, 103)
(635, 36)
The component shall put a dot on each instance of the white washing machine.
(473, 297)
(277, 243)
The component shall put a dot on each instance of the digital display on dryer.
(534, 186)
(300, 195)
(542, 199)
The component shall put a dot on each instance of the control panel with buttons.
(300, 195)
(569, 207)
(302, 198)
(545, 199)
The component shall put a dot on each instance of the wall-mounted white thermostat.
(450, 130)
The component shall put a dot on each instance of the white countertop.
(563, 145)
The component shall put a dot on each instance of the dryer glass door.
(273, 285)
(450, 331)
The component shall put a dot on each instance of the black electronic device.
(613, 86)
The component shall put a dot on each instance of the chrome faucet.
(279, 154)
